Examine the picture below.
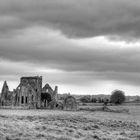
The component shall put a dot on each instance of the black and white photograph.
(69, 69)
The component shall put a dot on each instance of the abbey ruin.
(29, 94)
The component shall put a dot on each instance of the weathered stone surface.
(70, 103)
(60, 105)
(6, 95)
(29, 93)
(49, 96)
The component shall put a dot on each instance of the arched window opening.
(22, 100)
(26, 99)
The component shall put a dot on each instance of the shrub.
(117, 97)
(137, 100)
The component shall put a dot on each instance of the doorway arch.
(45, 99)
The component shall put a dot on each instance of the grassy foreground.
(66, 125)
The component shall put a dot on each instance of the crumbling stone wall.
(25, 96)
(52, 94)
(6, 95)
(29, 93)
(36, 84)
(70, 103)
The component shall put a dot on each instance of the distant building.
(29, 94)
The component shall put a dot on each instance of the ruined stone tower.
(36, 84)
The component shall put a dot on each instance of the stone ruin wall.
(27, 94)
(30, 94)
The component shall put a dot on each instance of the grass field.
(67, 125)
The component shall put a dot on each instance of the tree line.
(117, 97)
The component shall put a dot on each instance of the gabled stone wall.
(6, 95)
(28, 94)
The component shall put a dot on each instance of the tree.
(93, 100)
(85, 99)
(117, 97)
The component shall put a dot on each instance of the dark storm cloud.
(39, 48)
(76, 18)
(25, 38)
(61, 53)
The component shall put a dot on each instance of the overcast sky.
(83, 46)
